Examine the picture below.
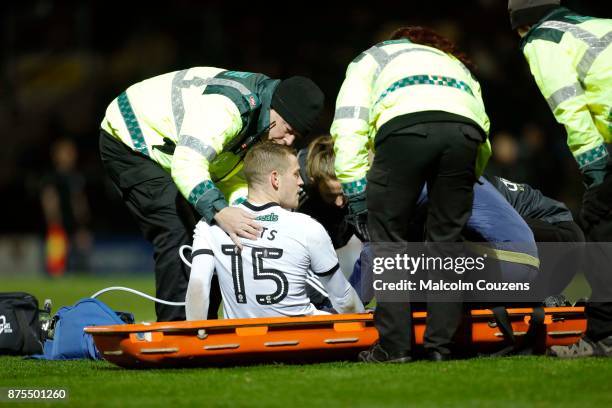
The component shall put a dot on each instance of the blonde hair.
(320, 159)
(264, 158)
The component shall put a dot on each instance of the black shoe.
(436, 356)
(377, 354)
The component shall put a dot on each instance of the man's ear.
(275, 179)
(523, 30)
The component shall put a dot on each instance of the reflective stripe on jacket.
(571, 60)
(203, 111)
(392, 79)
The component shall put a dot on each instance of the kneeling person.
(268, 276)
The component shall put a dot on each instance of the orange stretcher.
(297, 339)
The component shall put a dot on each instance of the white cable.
(134, 291)
(181, 249)
(144, 295)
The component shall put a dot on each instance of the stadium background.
(64, 61)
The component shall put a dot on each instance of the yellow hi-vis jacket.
(392, 79)
(571, 60)
(206, 113)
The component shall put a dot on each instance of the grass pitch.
(498, 382)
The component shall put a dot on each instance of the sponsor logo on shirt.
(268, 217)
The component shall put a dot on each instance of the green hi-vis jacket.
(392, 79)
(571, 60)
(209, 114)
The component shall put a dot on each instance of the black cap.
(529, 12)
(298, 101)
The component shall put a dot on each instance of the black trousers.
(552, 280)
(599, 275)
(164, 216)
(443, 155)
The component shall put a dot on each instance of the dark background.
(64, 61)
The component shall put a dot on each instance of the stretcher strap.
(503, 323)
(533, 342)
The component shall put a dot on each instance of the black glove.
(594, 173)
(596, 204)
(360, 223)
(357, 203)
(358, 216)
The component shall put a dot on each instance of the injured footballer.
(267, 277)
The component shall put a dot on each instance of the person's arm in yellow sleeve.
(558, 81)
(351, 126)
(210, 123)
(484, 150)
(350, 132)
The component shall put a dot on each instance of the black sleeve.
(301, 156)
(530, 202)
(564, 231)
(331, 218)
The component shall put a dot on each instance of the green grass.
(501, 382)
(498, 382)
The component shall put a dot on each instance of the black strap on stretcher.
(533, 342)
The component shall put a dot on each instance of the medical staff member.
(570, 58)
(415, 101)
(176, 142)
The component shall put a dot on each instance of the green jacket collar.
(264, 91)
(559, 13)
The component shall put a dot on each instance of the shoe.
(556, 301)
(377, 354)
(584, 348)
(436, 356)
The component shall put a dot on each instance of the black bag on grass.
(20, 331)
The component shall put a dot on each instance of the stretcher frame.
(297, 339)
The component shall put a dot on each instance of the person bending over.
(268, 277)
(570, 58)
(173, 146)
(502, 212)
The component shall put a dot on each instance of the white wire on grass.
(136, 292)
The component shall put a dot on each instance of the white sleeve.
(197, 299)
(324, 264)
(341, 294)
(323, 257)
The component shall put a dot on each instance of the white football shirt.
(268, 277)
